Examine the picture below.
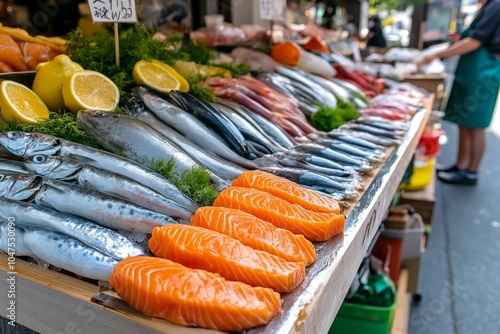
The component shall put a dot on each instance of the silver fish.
(104, 209)
(12, 166)
(138, 141)
(103, 239)
(224, 168)
(11, 240)
(67, 169)
(25, 145)
(68, 253)
(19, 186)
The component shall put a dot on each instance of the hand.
(426, 60)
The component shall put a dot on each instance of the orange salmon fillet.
(11, 54)
(256, 233)
(168, 290)
(201, 248)
(314, 226)
(36, 53)
(287, 190)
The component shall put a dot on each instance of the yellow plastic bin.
(422, 174)
(363, 319)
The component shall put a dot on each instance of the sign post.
(115, 11)
(273, 10)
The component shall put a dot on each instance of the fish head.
(19, 186)
(133, 102)
(154, 103)
(26, 144)
(54, 167)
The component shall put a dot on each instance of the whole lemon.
(49, 79)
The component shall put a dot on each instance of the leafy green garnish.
(327, 118)
(361, 97)
(64, 126)
(194, 183)
(236, 70)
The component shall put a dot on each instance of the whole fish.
(138, 141)
(395, 135)
(382, 123)
(19, 186)
(13, 244)
(249, 131)
(354, 140)
(318, 161)
(25, 145)
(12, 166)
(350, 150)
(213, 118)
(71, 170)
(188, 125)
(104, 209)
(274, 131)
(107, 241)
(224, 168)
(377, 140)
(324, 152)
(68, 253)
(312, 179)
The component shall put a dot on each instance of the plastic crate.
(363, 319)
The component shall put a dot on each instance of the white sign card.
(113, 10)
(273, 10)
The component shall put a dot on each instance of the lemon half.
(18, 102)
(155, 76)
(90, 90)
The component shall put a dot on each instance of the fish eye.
(99, 113)
(13, 135)
(2, 177)
(39, 158)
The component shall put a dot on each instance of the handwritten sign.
(113, 10)
(273, 10)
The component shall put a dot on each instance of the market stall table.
(50, 301)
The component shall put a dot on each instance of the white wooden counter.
(52, 302)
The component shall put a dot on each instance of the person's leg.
(477, 148)
(464, 147)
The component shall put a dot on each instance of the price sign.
(273, 10)
(113, 10)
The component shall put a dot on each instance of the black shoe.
(449, 169)
(458, 177)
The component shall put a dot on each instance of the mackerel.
(138, 141)
(25, 145)
(12, 166)
(12, 241)
(70, 170)
(107, 241)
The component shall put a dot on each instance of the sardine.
(103, 239)
(106, 210)
(377, 140)
(213, 118)
(138, 141)
(358, 164)
(68, 253)
(25, 145)
(19, 187)
(394, 135)
(382, 123)
(189, 126)
(70, 170)
(350, 150)
(12, 166)
(354, 140)
(277, 133)
(12, 241)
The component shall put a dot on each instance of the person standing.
(474, 91)
(376, 34)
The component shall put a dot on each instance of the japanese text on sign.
(273, 10)
(113, 10)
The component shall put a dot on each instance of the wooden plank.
(403, 300)
(63, 304)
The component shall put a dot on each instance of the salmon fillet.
(256, 233)
(165, 289)
(201, 248)
(314, 226)
(287, 190)
(36, 53)
(11, 54)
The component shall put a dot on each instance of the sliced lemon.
(18, 102)
(155, 76)
(184, 85)
(90, 90)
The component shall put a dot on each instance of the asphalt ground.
(460, 270)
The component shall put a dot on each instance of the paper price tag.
(113, 10)
(273, 10)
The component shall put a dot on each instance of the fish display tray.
(48, 301)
